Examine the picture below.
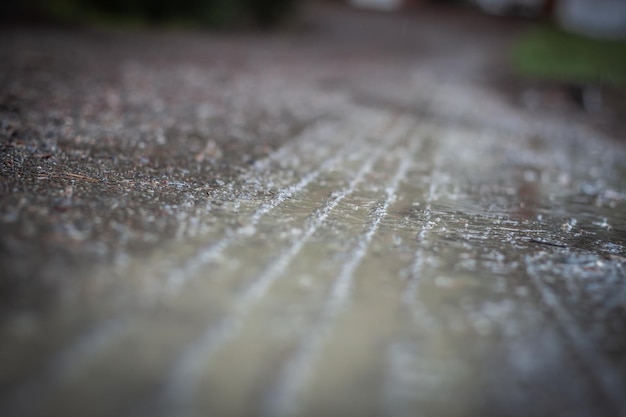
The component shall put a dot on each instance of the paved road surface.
(346, 221)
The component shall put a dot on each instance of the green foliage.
(551, 53)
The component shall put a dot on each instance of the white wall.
(599, 18)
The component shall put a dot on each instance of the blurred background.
(577, 41)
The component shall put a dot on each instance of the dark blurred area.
(565, 53)
(220, 13)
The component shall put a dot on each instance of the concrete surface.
(350, 219)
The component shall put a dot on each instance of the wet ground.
(348, 219)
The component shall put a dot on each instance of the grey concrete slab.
(320, 222)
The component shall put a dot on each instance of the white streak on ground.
(403, 369)
(283, 398)
(409, 296)
(178, 277)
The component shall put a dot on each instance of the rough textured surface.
(326, 223)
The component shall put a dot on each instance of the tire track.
(283, 398)
(178, 277)
(180, 389)
(67, 363)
